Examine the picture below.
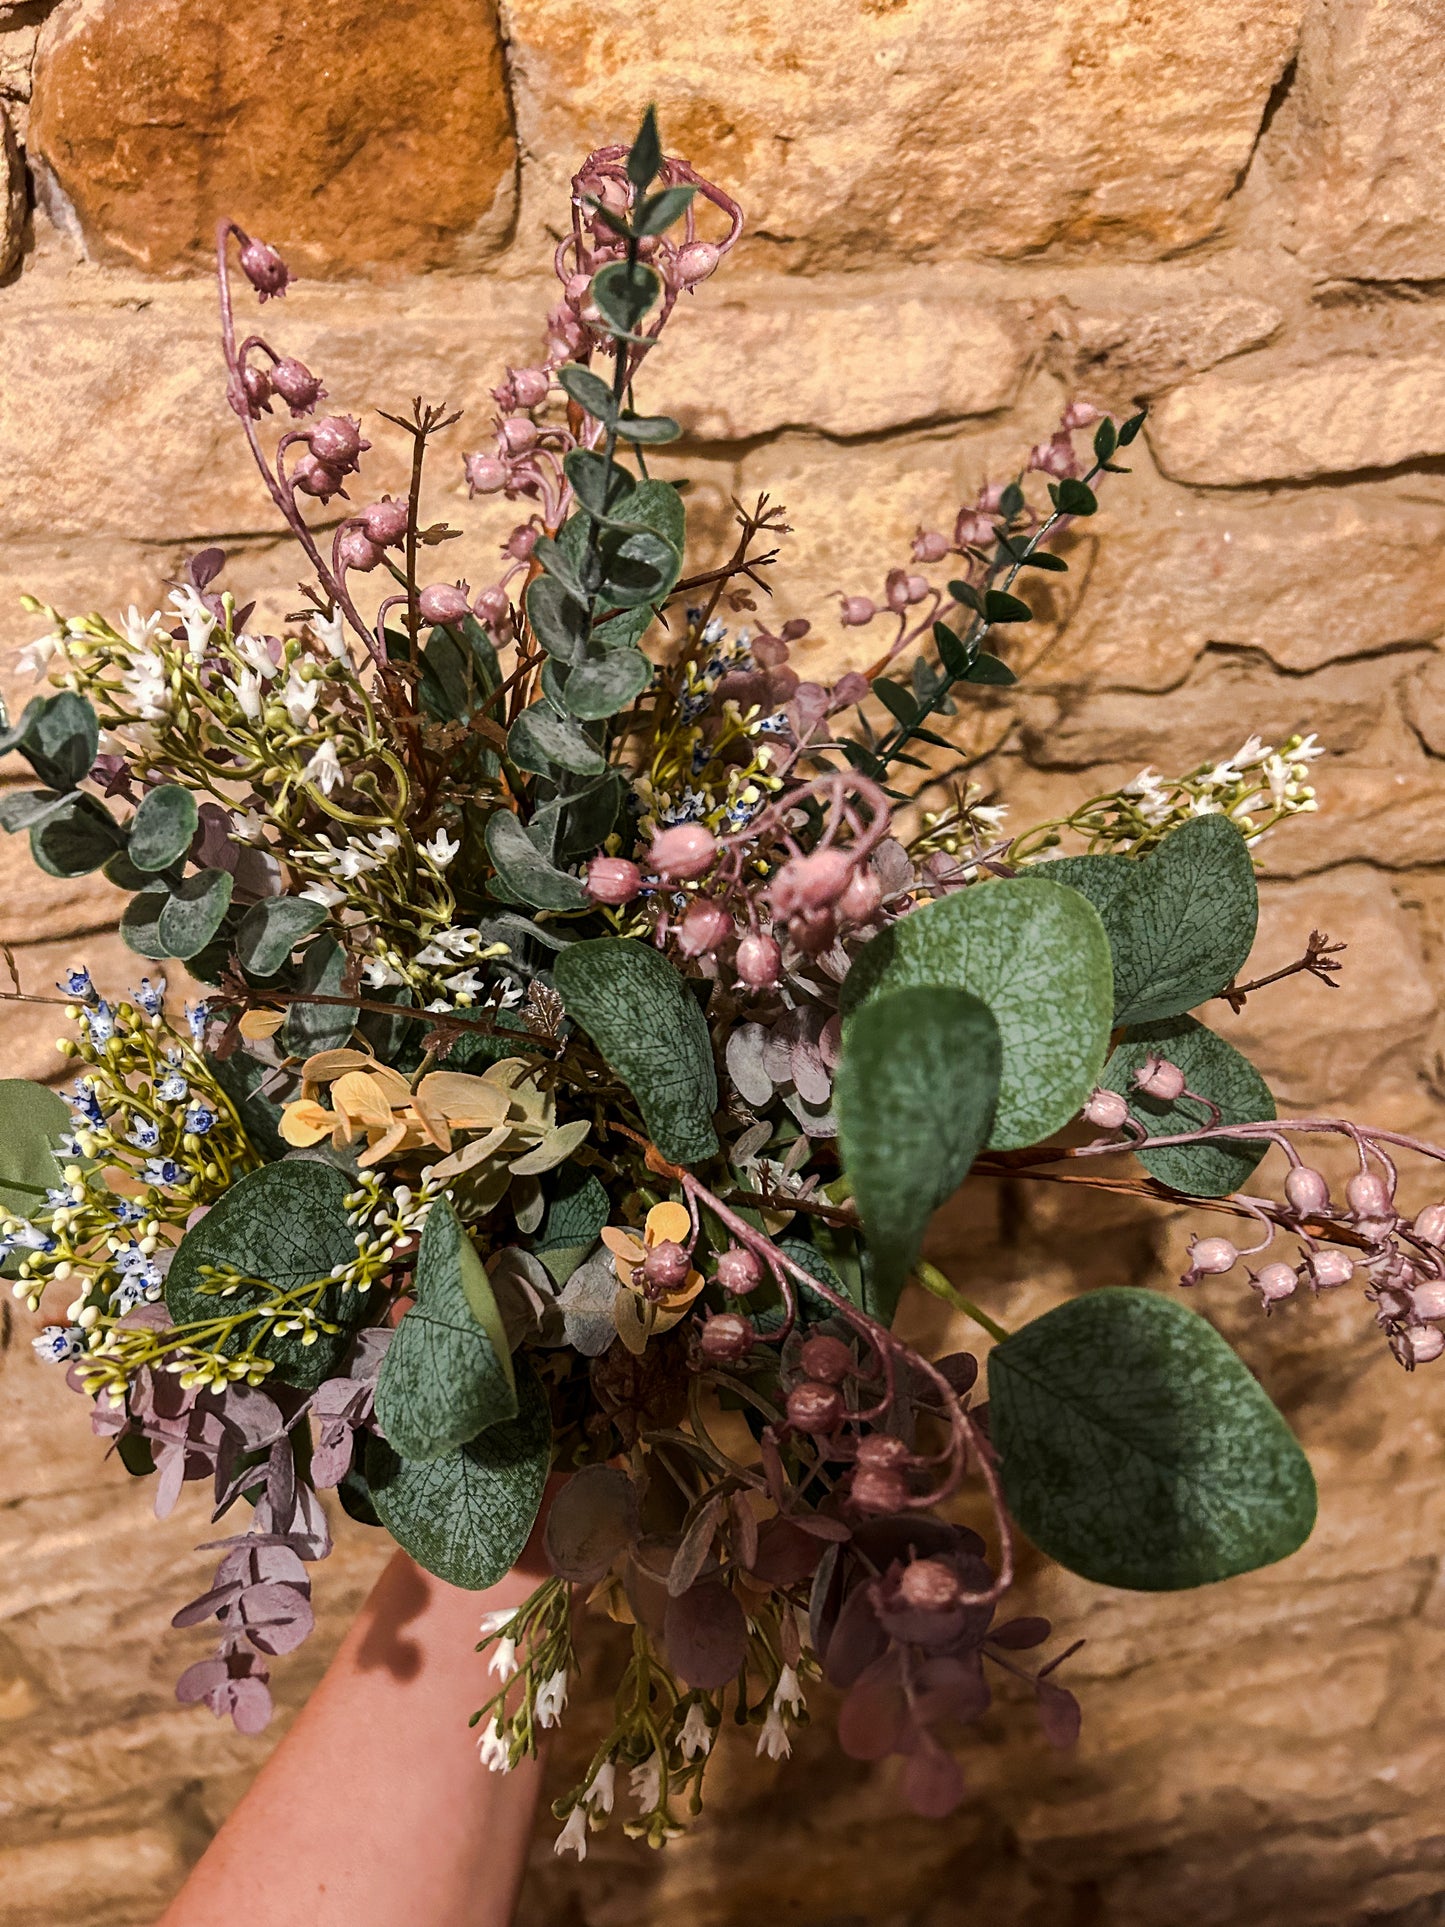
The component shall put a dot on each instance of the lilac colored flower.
(173, 1088)
(143, 1134)
(199, 1119)
(198, 1016)
(77, 983)
(163, 1172)
(99, 1022)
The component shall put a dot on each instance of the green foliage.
(645, 1021)
(526, 872)
(287, 1226)
(313, 1027)
(160, 832)
(58, 736)
(604, 682)
(192, 913)
(447, 1373)
(540, 740)
(32, 1118)
(466, 1516)
(576, 1212)
(625, 292)
(1216, 1070)
(1036, 954)
(1181, 921)
(75, 838)
(1138, 1450)
(271, 930)
(914, 1092)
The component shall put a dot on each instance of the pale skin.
(374, 1811)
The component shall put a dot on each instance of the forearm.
(374, 1810)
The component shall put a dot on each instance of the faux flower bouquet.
(593, 1030)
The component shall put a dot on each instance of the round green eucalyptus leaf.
(1181, 921)
(161, 830)
(467, 1515)
(1139, 1451)
(286, 1224)
(32, 1119)
(1036, 954)
(1216, 1070)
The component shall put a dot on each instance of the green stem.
(933, 1280)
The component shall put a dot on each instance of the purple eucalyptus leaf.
(1059, 1713)
(873, 1717)
(933, 1782)
(706, 1635)
(593, 1518)
(786, 1554)
(858, 1640)
(208, 1605)
(276, 1618)
(696, 1548)
(1018, 1634)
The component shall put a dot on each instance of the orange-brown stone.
(355, 138)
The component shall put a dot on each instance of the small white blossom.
(257, 657)
(299, 697)
(379, 974)
(385, 841)
(789, 1692)
(138, 629)
(200, 624)
(551, 1698)
(148, 686)
(247, 691)
(773, 1740)
(330, 632)
(573, 1837)
(504, 1659)
(33, 658)
(324, 769)
(325, 894)
(248, 826)
(645, 1784)
(695, 1739)
(440, 849)
(492, 1749)
(601, 1792)
(354, 862)
(493, 1622)
(466, 983)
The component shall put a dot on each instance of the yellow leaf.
(668, 1223)
(307, 1122)
(363, 1100)
(467, 1103)
(257, 1024)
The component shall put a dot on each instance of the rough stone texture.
(957, 219)
(1356, 147)
(348, 134)
(752, 362)
(1336, 416)
(938, 127)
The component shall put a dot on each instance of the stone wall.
(958, 216)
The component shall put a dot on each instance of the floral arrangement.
(590, 1032)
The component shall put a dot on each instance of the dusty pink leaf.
(933, 1782)
(593, 1518)
(873, 1718)
(706, 1635)
(1059, 1713)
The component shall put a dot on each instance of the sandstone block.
(1117, 355)
(1176, 573)
(1388, 815)
(1332, 415)
(12, 195)
(1355, 148)
(1226, 697)
(1321, 1046)
(354, 140)
(939, 131)
(752, 360)
(83, 1878)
